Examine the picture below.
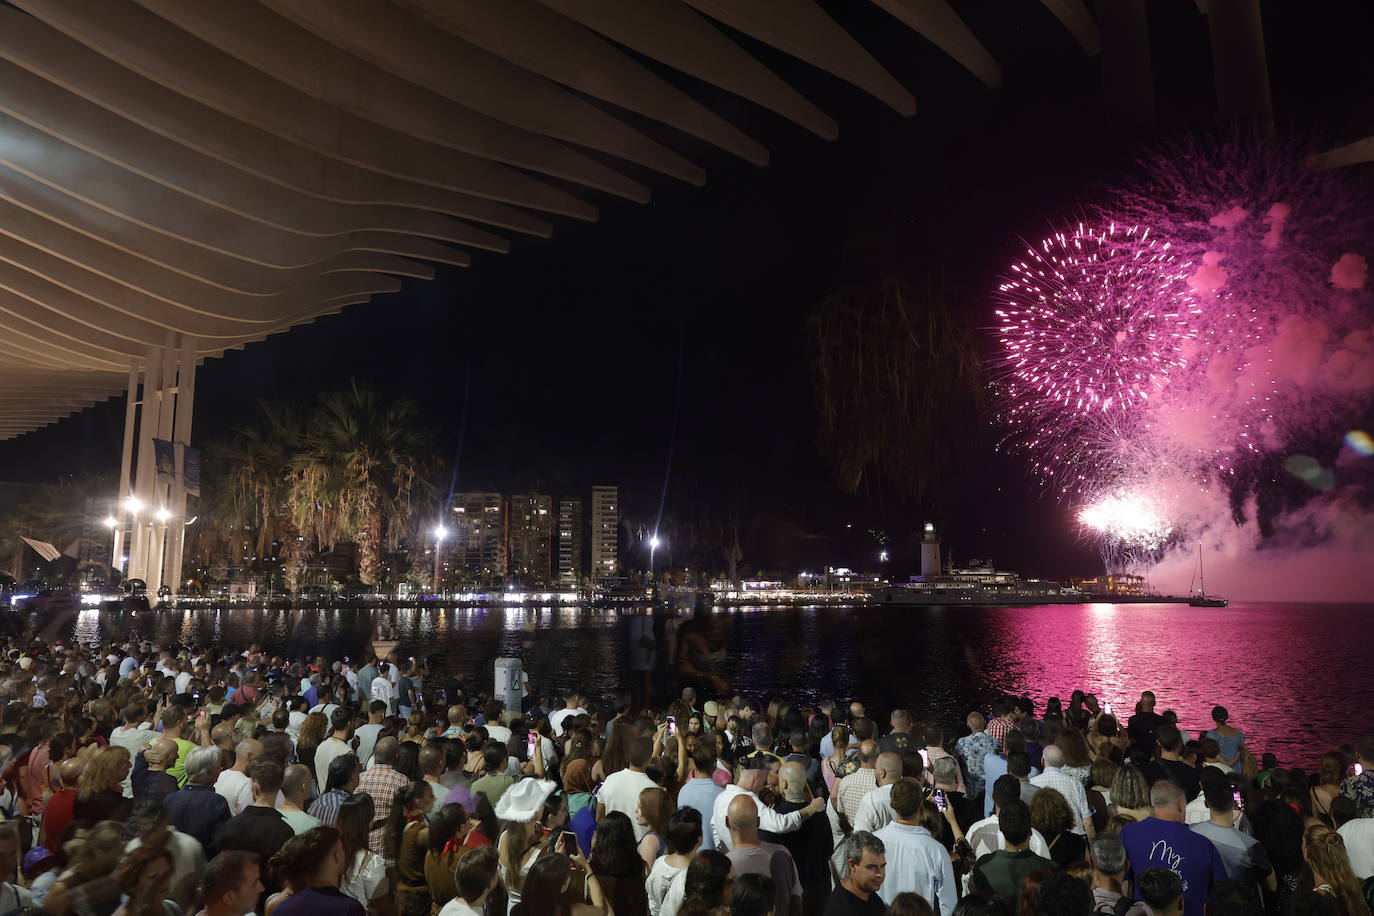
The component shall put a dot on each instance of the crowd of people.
(144, 780)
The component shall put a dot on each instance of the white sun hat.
(525, 800)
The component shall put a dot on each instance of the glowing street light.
(111, 521)
(882, 556)
(162, 514)
(654, 542)
(134, 505)
(440, 532)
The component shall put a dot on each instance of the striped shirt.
(850, 791)
(326, 807)
(997, 730)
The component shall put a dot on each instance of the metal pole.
(125, 466)
(185, 404)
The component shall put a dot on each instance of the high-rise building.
(531, 537)
(480, 524)
(605, 531)
(569, 542)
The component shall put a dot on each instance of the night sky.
(578, 352)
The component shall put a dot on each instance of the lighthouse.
(930, 553)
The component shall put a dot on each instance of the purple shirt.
(460, 795)
(1153, 843)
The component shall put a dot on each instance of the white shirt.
(917, 862)
(672, 901)
(456, 907)
(183, 681)
(1072, 790)
(295, 719)
(383, 690)
(558, 715)
(769, 820)
(368, 881)
(1359, 845)
(497, 732)
(982, 848)
(188, 858)
(329, 748)
(875, 810)
(236, 788)
(367, 740)
(660, 879)
(620, 792)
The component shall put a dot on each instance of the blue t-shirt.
(1154, 843)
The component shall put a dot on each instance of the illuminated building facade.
(605, 531)
(531, 537)
(569, 541)
(480, 523)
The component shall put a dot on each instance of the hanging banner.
(165, 459)
(45, 550)
(190, 468)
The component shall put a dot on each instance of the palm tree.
(57, 513)
(257, 485)
(359, 472)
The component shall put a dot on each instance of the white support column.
(125, 469)
(165, 414)
(185, 405)
(145, 466)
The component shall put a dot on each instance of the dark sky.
(576, 349)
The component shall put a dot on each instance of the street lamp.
(134, 505)
(440, 532)
(162, 515)
(654, 543)
(882, 556)
(111, 522)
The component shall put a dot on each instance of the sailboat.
(1200, 598)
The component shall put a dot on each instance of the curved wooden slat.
(160, 51)
(1074, 16)
(377, 31)
(941, 25)
(300, 59)
(802, 29)
(670, 32)
(540, 40)
(1349, 154)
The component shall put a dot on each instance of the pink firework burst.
(1093, 325)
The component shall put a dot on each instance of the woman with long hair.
(1051, 815)
(1028, 904)
(549, 885)
(707, 885)
(652, 812)
(1329, 775)
(616, 863)
(314, 730)
(752, 895)
(145, 880)
(1131, 793)
(1324, 850)
(1100, 778)
(406, 841)
(473, 744)
(1078, 757)
(408, 761)
(364, 873)
(578, 785)
(527, 837)
(447, 830)
(100, 790)
(837, 764)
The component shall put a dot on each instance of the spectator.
(1162, 891)
(382, 782)
(751, 855)
(475, 878)
(198, 810)
(295, 789)
(916, 860)
(342, 782)
(684, 839)
(231, 884)
(1164, 840)
(260, 828)
(314, 861)
(862, 867)
(1003, 871)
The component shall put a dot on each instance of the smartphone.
(534, 737)
(1107, 708)
(672, 725)
(941, 803)
(150, 682)
(1358, 769)
(1235, 797)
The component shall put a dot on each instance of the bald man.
(849, 791)
(152, 782)
(875, 810)
(222, 737)
(749, 782)
(57, 813)
(295, 790)
(233, 783)
(750, 855)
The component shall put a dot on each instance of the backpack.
(1120, 908)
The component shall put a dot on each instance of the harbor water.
(1294, 677)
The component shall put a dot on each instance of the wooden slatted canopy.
(221, 170)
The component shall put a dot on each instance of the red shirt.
(56, 816)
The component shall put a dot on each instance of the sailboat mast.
(1201, 576)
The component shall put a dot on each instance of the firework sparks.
(1093, 325)
(1131, 520)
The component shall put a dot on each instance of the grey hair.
(763, 735)
(946, 769)
(1109, 854)
(1054, 757)
(852, 850)
(1165, 793)
(200, 764)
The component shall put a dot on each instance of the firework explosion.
(1094, 324)
(1162, 366)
